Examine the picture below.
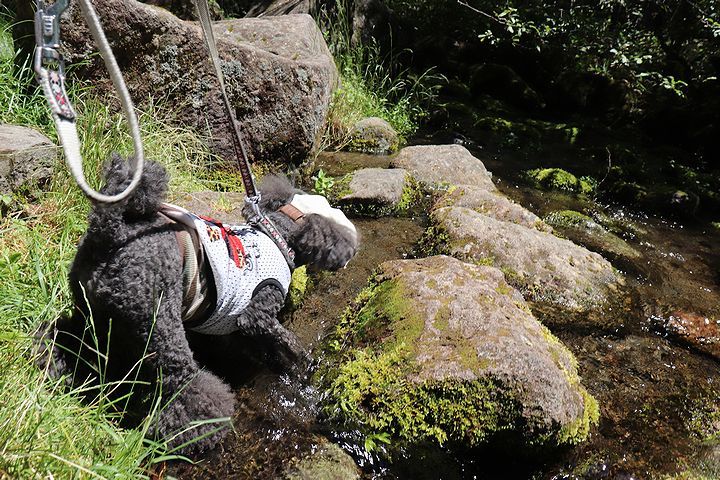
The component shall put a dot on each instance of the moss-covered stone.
(298, 287)
(559, 179)
(584, 230)
(423, 355)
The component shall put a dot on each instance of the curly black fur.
(126, 333)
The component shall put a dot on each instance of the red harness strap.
(235, 247)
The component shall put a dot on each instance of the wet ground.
(656, 394)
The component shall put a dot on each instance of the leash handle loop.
(49, 67)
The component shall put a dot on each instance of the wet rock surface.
(460, 338)
(27, 158)
(542, 266)
(379, 187)
(278, 71)
(440, 166)
(491, 203)
(583, 230)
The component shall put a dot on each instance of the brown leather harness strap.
(292, 212)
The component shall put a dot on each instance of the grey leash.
(252, 194)
(50, 69)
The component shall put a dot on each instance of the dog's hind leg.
(142, 294)
(194, 403)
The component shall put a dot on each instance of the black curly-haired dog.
(127, 331)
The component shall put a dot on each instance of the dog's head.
(320, 235)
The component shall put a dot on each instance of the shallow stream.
(659, 398)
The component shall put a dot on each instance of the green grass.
(45, 430)
(371, 84)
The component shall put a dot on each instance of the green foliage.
(649, 46)
(323, 183)
(371, 84)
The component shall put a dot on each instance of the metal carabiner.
(48, 63)
(47, 28)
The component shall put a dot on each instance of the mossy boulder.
(373, 135)
(326, 462)
(491, 203)
(544, 267)
(440, 350)
(559, 179)
(279, 73)
(585, 231)
(437, 167)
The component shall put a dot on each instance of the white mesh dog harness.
(242, 260)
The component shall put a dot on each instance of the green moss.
(411, 195)
(442, 317)
(298, 287)
(568, 218)
(373, 383)
(715, 225)
(371, 391)
(578, 430)
(434, 241)
(559, 179)
(484, 261)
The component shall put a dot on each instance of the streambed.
(658, 397)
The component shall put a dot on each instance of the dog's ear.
(323, 243)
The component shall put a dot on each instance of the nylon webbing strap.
(49, 67)
(261, 221)
(238, 143)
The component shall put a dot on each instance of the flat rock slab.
(278, 71)
(440, 166)
(443, 349)
(223, 206)
(491, 203)
(544, 267)
(27, 157)
(377, 186)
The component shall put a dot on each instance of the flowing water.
(656, 394)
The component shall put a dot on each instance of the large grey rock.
(545, 267)
(27, 158)
(279, 73)
(439, 166)
(491, 203)
(441, 349)
(381, 187)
